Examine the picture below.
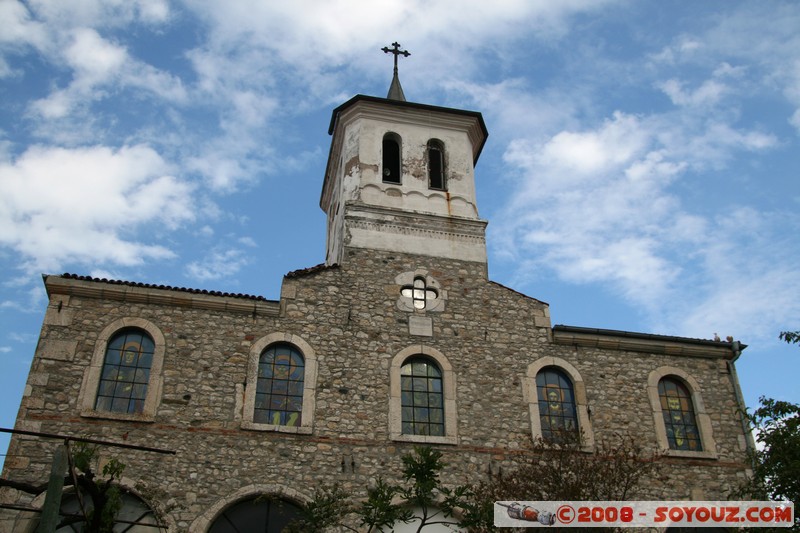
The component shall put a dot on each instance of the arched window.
(556, 398)
(436, 171)
(422, 397)
(132, 509)
(279, 391)
(679, 418)
(391, 158)
(682, 425)
(124, 380)
(256, 515)
(126, 372)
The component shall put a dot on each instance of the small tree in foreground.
(563, 471)
(776, 459)
(99, 496)
(387, 504)
(105, 494)
(555, 471)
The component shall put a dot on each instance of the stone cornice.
(416, 222)
(148, 294)
(644, 342)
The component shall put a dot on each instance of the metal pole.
(89, 441)
(52, 500)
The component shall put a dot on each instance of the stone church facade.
(398, 339)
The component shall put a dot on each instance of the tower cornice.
(418, 113)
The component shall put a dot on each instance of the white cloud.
(19, 28)
(31, 301)
(589, 153)
(596, 205)
(93, 58)
(763, 43)
(309, 29)
(312, 44)
(750, 278)
(117, 13)
(98, 64)
(153, 11)
(709, 93)
(61, 205)
(217, 264)
(222, 171)
(515, 109)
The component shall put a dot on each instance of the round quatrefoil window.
(419, 292)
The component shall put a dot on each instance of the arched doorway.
(257, 514)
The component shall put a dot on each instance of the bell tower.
(401, 177)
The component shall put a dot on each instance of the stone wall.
(350, 316)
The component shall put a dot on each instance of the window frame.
(681, 393)
(407, 280)
(448, 390)
(309, 384)
(129, 370)
(92, 375)
(701, 417)
(428, 394)
(531, 393)
(299, 363)
(438, 146)
(393, 137)
(561, 375)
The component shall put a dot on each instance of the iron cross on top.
(397, 52)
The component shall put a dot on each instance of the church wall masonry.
(349, 315)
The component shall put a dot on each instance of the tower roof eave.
(413, 105)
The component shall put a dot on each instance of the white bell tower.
(400, 177)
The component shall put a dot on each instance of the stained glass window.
(279, 392)
(126, 372)
(422, 397)
(678, 412)
(557, 411)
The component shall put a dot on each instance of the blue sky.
(641, 171)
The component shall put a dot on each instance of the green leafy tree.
(776, 459)
(99, 497)
(562, 470)
(387, 504)
(103, 492)
(792, 337)
(556, 471)
(776, 467)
